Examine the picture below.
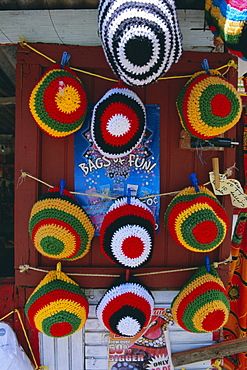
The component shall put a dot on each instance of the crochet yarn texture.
(127, 233)
(201, 305)
(58, 102)
(196, 221)
(126, 308)
(57, 307)
(227, 19)
(141, 39)
(208, 105)
(118, 122)
(59, 227)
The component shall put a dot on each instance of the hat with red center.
(59, 227)
(118, 122)
(201, 305)
(196, 221)
(208, 105)
(57, 307)
(127, 233)
(126, 308)
(58, 102)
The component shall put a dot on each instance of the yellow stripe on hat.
(207, 309)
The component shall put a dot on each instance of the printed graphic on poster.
(149, 350)
(101, 180)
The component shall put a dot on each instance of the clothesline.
(230, 64)
(23, 268)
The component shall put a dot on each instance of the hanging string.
(23, 268)
(25, 174)
(229, 64)
(26, 337)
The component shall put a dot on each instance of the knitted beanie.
(58, 102)
(118, 122)
(57, 307)
(59, 227)
(227, 19)
(127, 233)
(140, 39)
(126, 308)
(196, 221)
(208, 105)
(201, 305)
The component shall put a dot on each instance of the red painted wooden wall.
(51, 159)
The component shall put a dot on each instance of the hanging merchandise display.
(57, 307)
(227, 19)
(196, 220)
(126, 308)
(59, 227)
(58, 102)
(127, 233)
(118, 122)
(201, 305)
(141, 40)
(208, 105)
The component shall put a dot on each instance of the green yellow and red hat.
(201, 305)
(57, 307)
(58, 102)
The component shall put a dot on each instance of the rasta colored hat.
(118, 122)
(141, 39)
(59, 227)
(227, 19)
(196, 221)
(126, 308)
(208, 105)
(58, 102)
(127, 233)
(57, 307)
(201, 305)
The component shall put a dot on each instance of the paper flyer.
(148, 350)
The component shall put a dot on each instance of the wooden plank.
(218, 350)
(47, 26)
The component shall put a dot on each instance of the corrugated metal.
(87, 349)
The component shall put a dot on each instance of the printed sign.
(148, 350)
(101, 180)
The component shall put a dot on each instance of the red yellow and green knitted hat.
(127, 233)
(208, 105)
(126, 308)
(59, 227)
(201, 305)
(196, 221)
(58, 102)
(57, 307)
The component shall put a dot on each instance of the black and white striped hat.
(141, 39)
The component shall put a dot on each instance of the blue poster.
(101, 180)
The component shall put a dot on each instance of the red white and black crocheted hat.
(127, 233)
(126, 308)
(118, 122)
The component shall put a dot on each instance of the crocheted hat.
(208, 105)
(196, 221)
(201, 305)
(227, 19)
(58, 102)
(57, 307)
(118, 122)
(127, 233)
(126, 308)
(141, 40)
(59, 227)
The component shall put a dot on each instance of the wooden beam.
(213, 351)
(8, 100)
